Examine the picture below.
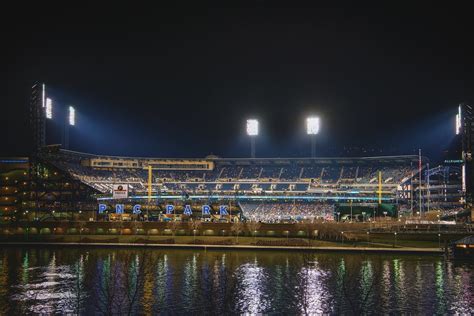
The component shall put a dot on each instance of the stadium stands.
(270, 172)
(290, 173)
(285, 212)
(250, 172)
(311, 172)
(262, 186)
(258, 176)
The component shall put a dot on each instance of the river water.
(62, 280)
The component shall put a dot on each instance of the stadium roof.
(270, 160)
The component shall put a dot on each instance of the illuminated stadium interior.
(262, 189)
(289, 176)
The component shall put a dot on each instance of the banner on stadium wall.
(120, 191)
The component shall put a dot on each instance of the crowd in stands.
(290, 173)
(291, 177)
(270, 172)
(251, 172)
(284, 212)
(230, 172)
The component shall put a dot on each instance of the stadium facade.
(71, 185)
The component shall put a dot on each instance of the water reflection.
(46, 288)
(144, 281)
(251, 296)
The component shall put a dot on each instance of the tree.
(358, 279)
(236, 229)
(173, 226)
(118, 225)
(194, 226)
(307, 227)
(136, 226)
(80, 227)
(77, 294)
(121, 283)
(253, 227)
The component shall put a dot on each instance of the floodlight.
(252, 127)
(458, 121)
(43, 96)
(72, 116)
(312, 125)
(49, 108)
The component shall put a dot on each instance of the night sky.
(181, 81)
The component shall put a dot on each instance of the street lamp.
(252, 131)
(351, 211)
(439, 224)
(312, 129)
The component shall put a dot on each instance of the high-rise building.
(465, 128)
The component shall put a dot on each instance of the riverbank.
(244, 243)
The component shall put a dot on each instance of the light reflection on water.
(144, 281)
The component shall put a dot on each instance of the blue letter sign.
(187, 210)
(223, 210)
(137, 209)
(102, 208)
(206, 210)
(169, 209)
(119, 208)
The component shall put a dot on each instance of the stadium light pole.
(49, 109)
(71, 121)
(312, 129)
(48, 113)
(252, 131)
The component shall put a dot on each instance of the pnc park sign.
(170, 209)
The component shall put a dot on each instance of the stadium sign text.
(169, 209)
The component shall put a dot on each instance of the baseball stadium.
(57, 185)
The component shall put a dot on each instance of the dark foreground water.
(150, 281)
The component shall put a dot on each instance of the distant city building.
(465, 130)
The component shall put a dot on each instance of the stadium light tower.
(71, 121)
(49, 108)
(72, 116)
(458, 121)
(252, 131)
(312, 129)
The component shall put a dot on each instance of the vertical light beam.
(49, 108)
(72, 116)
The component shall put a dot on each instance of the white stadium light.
(43, 97)
(312, 125)
(72, 116)
(458, 121)
(252, 127)
(49, 108)
(463, 179)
